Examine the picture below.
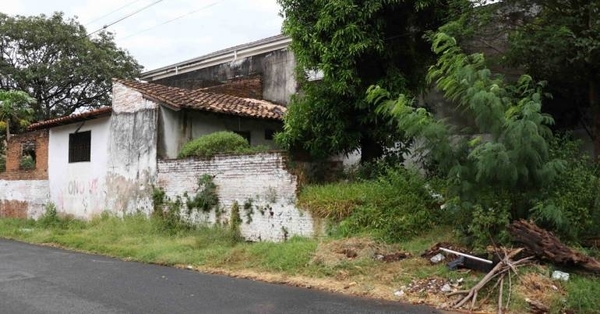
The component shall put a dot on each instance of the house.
(113, 151)
(268, 59)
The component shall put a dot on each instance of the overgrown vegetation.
(169, 212)
(206, 197)
(505, 176)
(394, 207)
(353, 45)
(27, 163)
(223, 142)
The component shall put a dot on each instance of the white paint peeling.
(260, 180)
(35, 192)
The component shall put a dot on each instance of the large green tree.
(15, 110)
(15, 114)
(557, 41)
(562, 45)
(355, 44)
(54, 60)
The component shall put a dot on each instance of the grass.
(584, 294)
(316, 263)
(394, 213)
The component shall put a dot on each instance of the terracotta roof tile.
(206, 101)
(71, 119)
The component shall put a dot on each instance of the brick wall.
(250, 87)
(14, 153)
(260, 181)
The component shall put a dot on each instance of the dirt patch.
(333, 253)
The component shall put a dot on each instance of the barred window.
(80, 146)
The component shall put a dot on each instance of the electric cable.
(125, 17)
(111, 12)
(174, 19)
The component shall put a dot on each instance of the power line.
(111, 12)
(125, 17)
(174, 19)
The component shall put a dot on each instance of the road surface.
(36, 279)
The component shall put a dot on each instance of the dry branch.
(504, 267)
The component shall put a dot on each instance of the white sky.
(216, 25)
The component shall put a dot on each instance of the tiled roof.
(71, 119)
(206, 101)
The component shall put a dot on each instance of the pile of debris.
(537, 244)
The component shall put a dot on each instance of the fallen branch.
(505, 266)
(547, 246)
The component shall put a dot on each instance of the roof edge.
(93, 114)
(249, 49)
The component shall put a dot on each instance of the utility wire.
(111, 12)
(125, 17)
(174, 19)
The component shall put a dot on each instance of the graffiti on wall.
(76, 187)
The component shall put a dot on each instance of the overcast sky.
(211, 24)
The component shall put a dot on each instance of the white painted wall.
(79, 188)
(132, 148)
(34, 192)
(261, 179)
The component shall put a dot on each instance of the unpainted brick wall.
(14, 154)
(248, 87)
(261, 180)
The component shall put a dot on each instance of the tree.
(57, 63)
(495, 180)
(562, 45)
(15, 108)
(355, 44)
(557, 41)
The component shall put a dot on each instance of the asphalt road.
(36, 279)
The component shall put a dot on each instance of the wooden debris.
(547, 246)
(537, 307)
(499, 272)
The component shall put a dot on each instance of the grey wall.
(276, 69)
(178, 127)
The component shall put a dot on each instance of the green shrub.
(206, 197)
(166, 215)
(223, 142)
(396, 206)
(2, 163)
(27, 163)
(570, 206)
(50, 217)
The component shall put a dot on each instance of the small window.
(269, 134)
(244, 134)
(80, 146)
(27, 156)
